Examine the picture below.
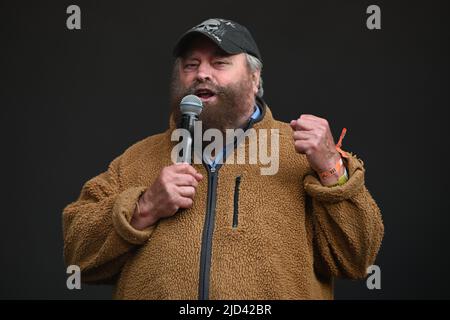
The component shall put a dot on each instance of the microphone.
(190, 106)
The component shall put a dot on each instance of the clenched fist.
(173, 189)
(312, 136)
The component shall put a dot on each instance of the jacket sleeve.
(97, 233)
(347, 227)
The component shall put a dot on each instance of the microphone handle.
(187, 122)
(186, 156)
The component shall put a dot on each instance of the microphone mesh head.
(191, 104)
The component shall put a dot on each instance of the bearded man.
(159, 230)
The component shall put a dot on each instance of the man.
(159, 230)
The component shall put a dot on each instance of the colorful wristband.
(342, 179)
(333, 171)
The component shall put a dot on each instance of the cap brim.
(225, 45)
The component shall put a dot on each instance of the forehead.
(201, 44)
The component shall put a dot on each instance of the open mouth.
(204, 94)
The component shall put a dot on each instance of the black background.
(73, 100)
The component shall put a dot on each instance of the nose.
(204, 72)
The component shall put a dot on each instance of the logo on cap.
(214, 27)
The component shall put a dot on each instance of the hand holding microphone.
(174, 189)
(175, 186)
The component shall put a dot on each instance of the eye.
(190, 66)
(221, 63)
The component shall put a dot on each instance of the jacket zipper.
(208, 228)
(236, 202)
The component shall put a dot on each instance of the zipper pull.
(212, 169)
(236, 203)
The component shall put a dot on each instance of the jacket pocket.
(236, 203)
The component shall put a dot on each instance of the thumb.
(293, 124)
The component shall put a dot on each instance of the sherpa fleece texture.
(293, 235)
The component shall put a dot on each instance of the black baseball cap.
(230, 36)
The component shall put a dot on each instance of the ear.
(255, 81)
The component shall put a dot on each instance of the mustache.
(217, 90)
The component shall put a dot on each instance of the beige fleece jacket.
(292, 238)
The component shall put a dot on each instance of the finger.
(317, 121)
(305, 124)
(184, 202)
(188, 169)
(310, 117)
(298, 124)
(184, 168)
(303, 135)
(293, 124)
(198, 176)
(302, 146)
(186, 191)
(182, 179)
